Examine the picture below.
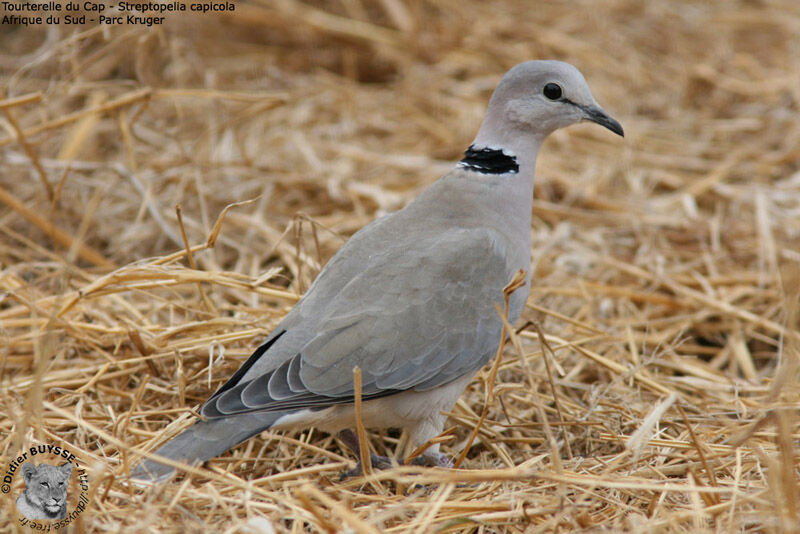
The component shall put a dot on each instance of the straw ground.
(655, 384)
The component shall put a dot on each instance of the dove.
(410, 299)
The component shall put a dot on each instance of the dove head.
(533, 100)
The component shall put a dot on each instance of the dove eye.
(552, 91)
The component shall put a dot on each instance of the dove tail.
(204, 440)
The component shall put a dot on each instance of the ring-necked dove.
(410, 298)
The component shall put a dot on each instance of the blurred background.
(354, 106)
(677, 248)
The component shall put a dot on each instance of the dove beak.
(595, 114)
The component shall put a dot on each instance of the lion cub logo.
(45, 494)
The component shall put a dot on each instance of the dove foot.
(433, 459)
(378, 462)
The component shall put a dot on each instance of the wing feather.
(414, 317)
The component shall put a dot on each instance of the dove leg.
(350, 439)
(431, 458)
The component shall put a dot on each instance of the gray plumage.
(410, 299)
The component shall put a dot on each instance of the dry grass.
(666, 266)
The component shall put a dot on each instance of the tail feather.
(204, 440)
